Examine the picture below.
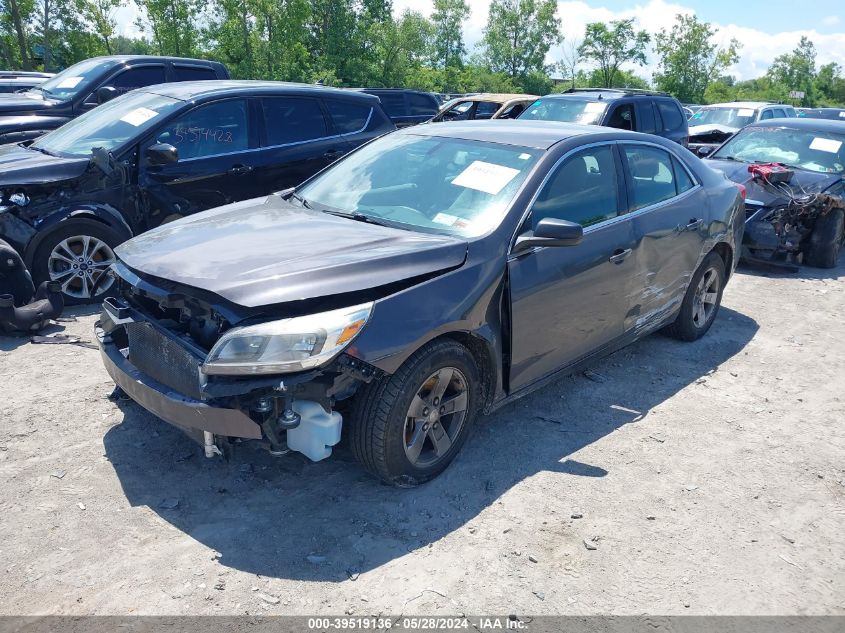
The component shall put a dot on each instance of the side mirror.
(550, 232)
(704, 151)
(161, 154)
(106, 93)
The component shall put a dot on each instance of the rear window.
(348, 117)
(422, 104)
(194, 73)
(293, 120)
(673, 117)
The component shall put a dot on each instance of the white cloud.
(831, 20)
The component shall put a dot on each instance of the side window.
(137, 78)
(673, 117)
(683, 182)
(293, 120)
(582, 190)
(486, 110)
(209, 130)
(513, 111)
(348, 117)
(194, 73)
(393, 103)
(623, 117)
(652, 175)
(647, 124)
(421, 105)
(778, 113)
(767, 114)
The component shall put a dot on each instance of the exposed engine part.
(784, 230)
(22, 307)
(317, 431)
(210, 447)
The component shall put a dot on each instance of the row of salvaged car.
(428, 275)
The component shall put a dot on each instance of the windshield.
(425, 182)
(73, 80)
(568, 110)
(814, 151)
(729, 117)
(109, 126)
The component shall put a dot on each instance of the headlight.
(288, 345)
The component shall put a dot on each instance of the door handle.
(694, 224)
(240, 169)
(619, 255)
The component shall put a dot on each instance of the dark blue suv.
(626, 109)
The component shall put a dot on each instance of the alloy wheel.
(706, 298)
(78, 262)
(435, 417)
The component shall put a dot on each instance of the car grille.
(163, 359)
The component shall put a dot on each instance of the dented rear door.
(668, 211)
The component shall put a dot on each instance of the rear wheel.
(76, 255)
(826, 239)
(407, 428)
(702, 300)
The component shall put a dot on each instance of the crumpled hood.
(265, 251)
(703, 130)
(22, 166)
(760, 195)
(17, 103)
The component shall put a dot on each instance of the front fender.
(106, 214)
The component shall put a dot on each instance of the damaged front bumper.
(162, 373)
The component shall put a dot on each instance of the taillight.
(742, 190)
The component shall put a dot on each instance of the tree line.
(361, 43)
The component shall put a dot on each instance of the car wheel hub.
(706, 296)
(78, 263)
(435, 417)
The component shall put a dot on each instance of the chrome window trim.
(625, 214)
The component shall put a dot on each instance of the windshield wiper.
(40, 149)
(300, 199)
(358, 217)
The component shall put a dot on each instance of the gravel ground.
(704, 478)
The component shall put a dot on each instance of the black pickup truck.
(83, 86)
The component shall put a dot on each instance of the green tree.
(797, 70)
(519, 34)
(447, 21)
(830, 85)
(689, 59)
(401, 46)
(14, 15)
(174, 25)
(99, 14)
(611, 47)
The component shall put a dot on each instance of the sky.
(765, 29)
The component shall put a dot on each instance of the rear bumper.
(186, 413)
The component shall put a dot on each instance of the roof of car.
(188, 90)
(524, 133)
(497, 97)
(126, 58)
(802, 123)
(744, 104)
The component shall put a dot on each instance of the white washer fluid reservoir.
(317, 432)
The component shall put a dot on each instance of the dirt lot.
(709, 478)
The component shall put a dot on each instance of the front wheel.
(826, 239)
(701, 302)
(77, 255)
(408, 427)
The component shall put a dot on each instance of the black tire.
(826, 239)
(380, 415)
(73, 292)
(688, 326)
